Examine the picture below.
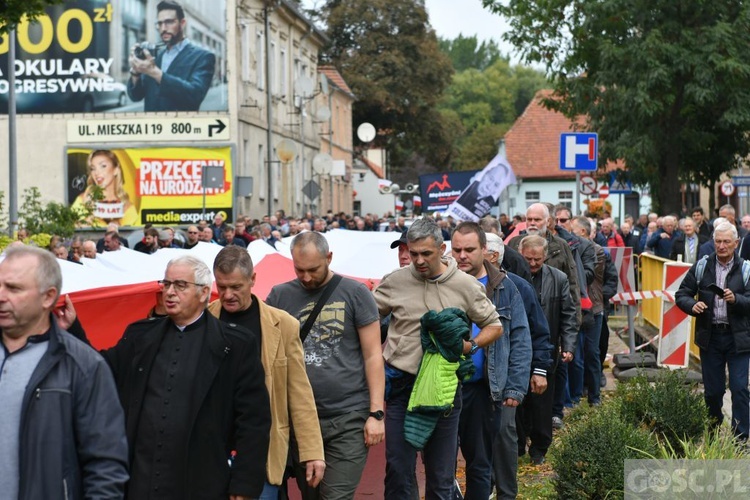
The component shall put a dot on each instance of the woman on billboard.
(114, 205)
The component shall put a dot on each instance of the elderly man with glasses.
(197, 410)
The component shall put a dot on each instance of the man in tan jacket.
(283, 360)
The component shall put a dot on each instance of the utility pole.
(12, 151)
(269, 111)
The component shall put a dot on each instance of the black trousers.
(534, 420)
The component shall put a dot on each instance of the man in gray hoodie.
(430, 282)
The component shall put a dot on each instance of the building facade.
(261, 93)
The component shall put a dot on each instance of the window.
(246, 153)
(566, 198)
(297, 189)
(260, 50)
(263, 189)
(531, 198)
(245, 52)
(283, 62)
(276, 171)
(273, 84)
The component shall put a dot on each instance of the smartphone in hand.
(716, 289)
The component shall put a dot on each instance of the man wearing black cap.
(403, 250)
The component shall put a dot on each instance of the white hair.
(718, 221)
(726, 227)
(495, 244)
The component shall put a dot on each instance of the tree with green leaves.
(487, 102)
(663, 82)
(52, 217)
(389, 56)
(466, 52)
(12, 11)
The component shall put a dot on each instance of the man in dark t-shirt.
(344, 362)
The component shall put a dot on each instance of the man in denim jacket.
(499, 385)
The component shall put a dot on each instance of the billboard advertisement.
(438, 191)
(103, 56)
(161, 186)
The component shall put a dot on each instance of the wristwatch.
(378, 415)
(474, 347)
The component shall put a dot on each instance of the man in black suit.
(686, 246)
(197, 412)
(178, 78)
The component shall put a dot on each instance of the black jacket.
(632, 240)
(559, 256)
(738, 313)
(559, 309)
(541, 349)
(678, 246)
(515, 263)
(230, 408)
(72, 438)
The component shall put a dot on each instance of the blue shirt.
(171, 54)
(478, 357)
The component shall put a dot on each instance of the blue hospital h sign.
(579, 151)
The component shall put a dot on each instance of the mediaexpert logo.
(683, 479)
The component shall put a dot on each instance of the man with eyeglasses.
(178, 77)
(719, 298)
(193, 237)
(197, 411)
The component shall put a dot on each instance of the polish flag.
(417, 201)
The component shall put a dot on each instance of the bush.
(591, 451)
(717, 444)
(676, 412)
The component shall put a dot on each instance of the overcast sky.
(450, 18)
(467, 17)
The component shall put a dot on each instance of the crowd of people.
(480, 350)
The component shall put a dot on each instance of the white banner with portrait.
(483, 191)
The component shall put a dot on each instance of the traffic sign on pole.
(727, 188)
(603, 192)
(579, 151)
(587, 185)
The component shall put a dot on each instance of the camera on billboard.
(140, 49)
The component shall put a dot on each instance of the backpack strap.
(327, 291)
(700, 267)
(745, 272)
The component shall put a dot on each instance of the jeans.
(270, 492)
(439, 455)
(587, 363)
(505, 452)
(475, 431)
(719, 355)
(346, 455)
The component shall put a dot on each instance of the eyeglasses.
(192, 232)
(179, 285)
(166, 22)
(562, 219)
